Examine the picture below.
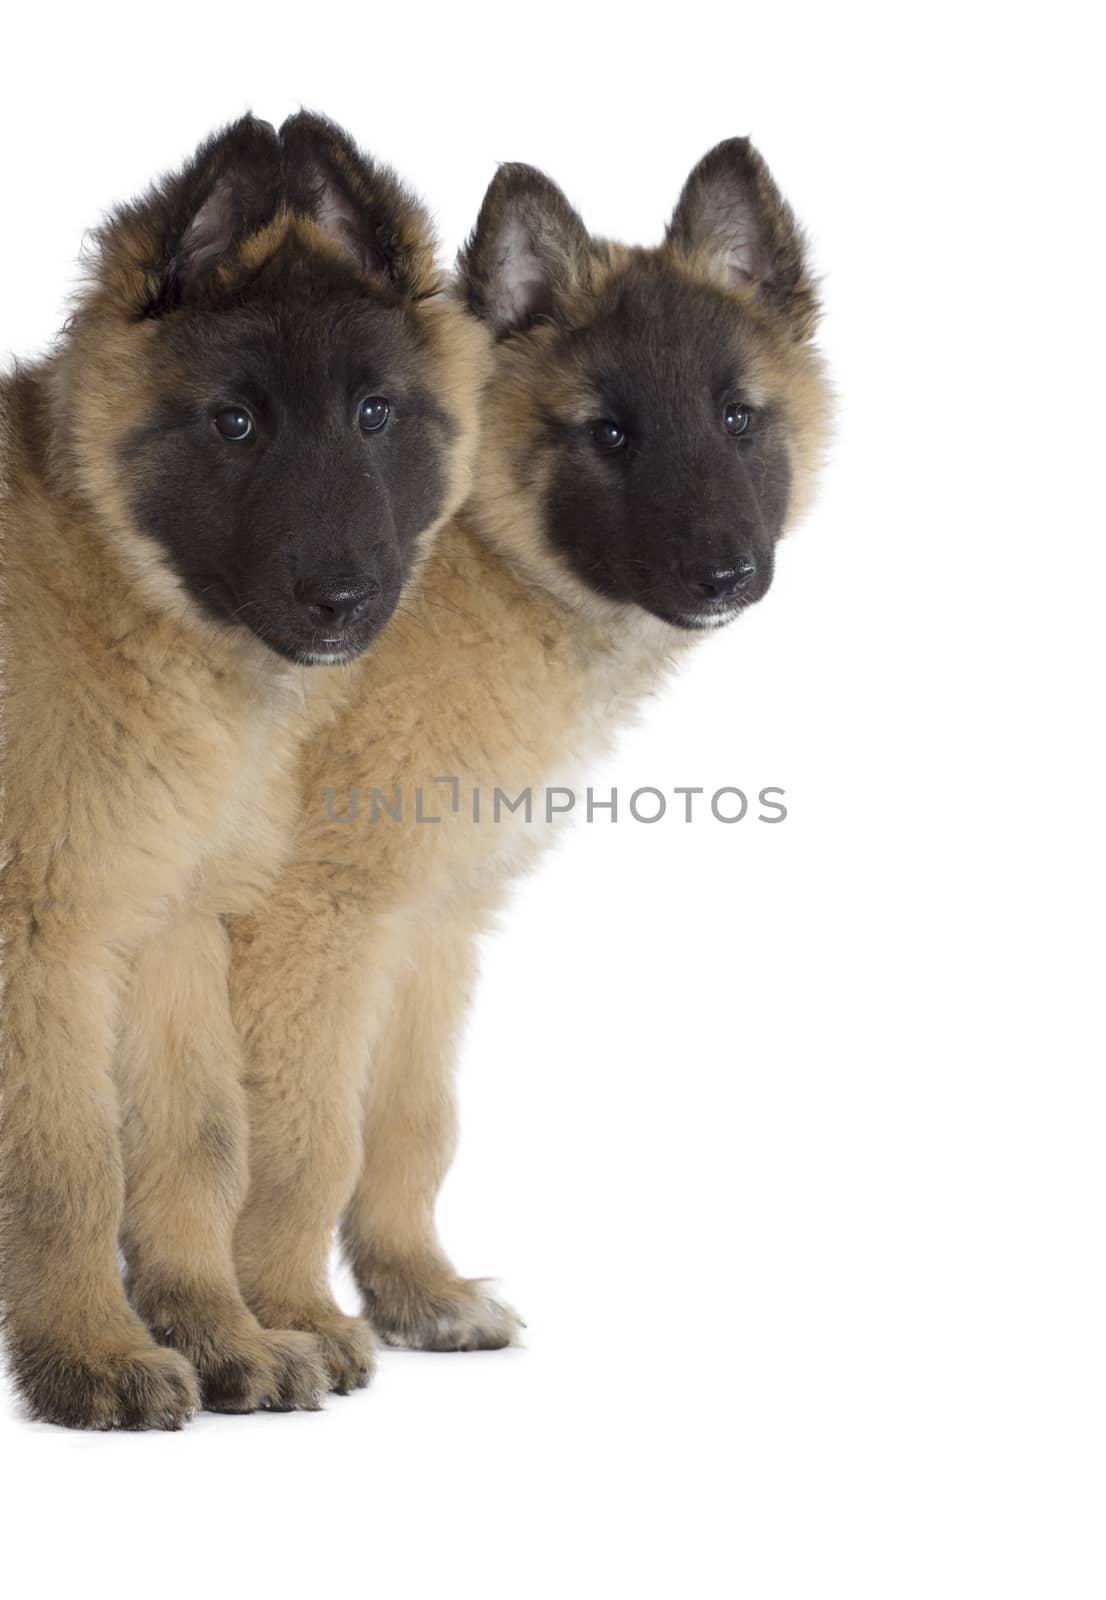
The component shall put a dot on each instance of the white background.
(787, 1141)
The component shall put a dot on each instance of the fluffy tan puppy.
(652, 425)
(221, 476)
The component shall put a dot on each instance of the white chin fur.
(705, 622)
(325, 658)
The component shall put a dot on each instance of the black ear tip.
(312, 127)
(738, 152)
(248, 132)
(309, 139)
(248, 120)
(247, 148)
(521, 191)
(517, 179)
(299, 125)
(299, 119)
(519, 172)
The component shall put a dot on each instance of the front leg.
(300, 988)
(185, 1144)
(412, 1294)
(79, 1354)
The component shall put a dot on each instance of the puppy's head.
(263, 391)
(656, 416)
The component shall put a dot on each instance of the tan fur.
(147, 778)
(350, 987)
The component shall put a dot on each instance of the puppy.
(653, 423)
(223, 473)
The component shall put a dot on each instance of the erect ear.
(733, 219)
(157, 251)
(528, 249)
(362, 206)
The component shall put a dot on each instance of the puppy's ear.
(528, 250)
(733, 220)
(166, 247)
(379, 226)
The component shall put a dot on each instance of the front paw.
(349, 1351)
(421, 1310)
(242, 1366)
(346, 1345)
(135, 1389)
(302, 1375)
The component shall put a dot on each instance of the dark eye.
(607, 435)
(234, 423)
(737, 418)
(372, 413)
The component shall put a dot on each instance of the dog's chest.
(535, 759)
(249, 833)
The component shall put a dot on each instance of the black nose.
(719, 582)
(336, 601)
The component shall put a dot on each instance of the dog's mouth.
(331, 650)
(321, 646)
(683, 604)
(290, 632)
(711, 614)
(703, 615)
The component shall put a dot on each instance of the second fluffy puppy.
(653, 425)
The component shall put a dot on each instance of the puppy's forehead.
(655, 333)
(283, 337)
